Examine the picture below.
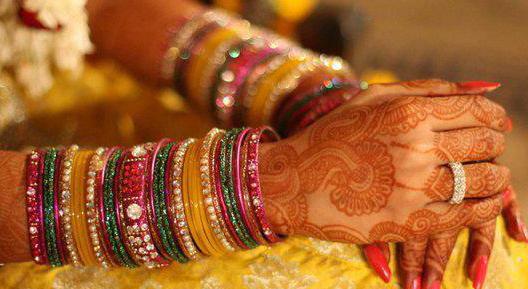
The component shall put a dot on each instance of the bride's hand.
(375, 169)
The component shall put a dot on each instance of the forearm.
(13, 223)
(78, 189)
(277, 83)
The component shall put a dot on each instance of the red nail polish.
(478, 84)
(416, 283)
(435, 285)
(480, 272)
(522, 229)
(379, 263)
(508, 124)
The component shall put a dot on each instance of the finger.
(482, 180)
(411, 255)
(512, 216)
(437, 255)
(470, 144)
(480, 244)
(425, 87)
(378, 261)
(456, 112)
(469, 212)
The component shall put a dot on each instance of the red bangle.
(253, 182)
(35, 214)
(133, 207)
(56, 212)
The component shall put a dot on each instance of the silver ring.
(459, 188)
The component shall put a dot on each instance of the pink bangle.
(34, 172)
(253, 183)
(133, 207)
(237, 177)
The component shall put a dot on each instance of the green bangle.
(48, 202)
(162, 219)
(226, 171)
(118, 246)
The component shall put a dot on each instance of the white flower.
(32, 54)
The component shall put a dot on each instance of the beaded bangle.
(79, 212)
(52, 248)
(180, 223)
(209, 197)
(253, 225)
(132, 208)
(238, 170)
(198, 210)
(34, 195)
(160, 218)
(226, 177)
(92, 196)
(254, 138)
(108, 214)
(66, 205)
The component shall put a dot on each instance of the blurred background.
(384, 41)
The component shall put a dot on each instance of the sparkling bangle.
(34, 195)
(92, 198)
(132, 208)
(66, 205)
(49, 190)
(176, 205)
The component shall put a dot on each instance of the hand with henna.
(375, 169)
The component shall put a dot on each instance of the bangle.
(49, 190)
(240, 189)
(189, 205)
(228, 191)
(92, 196)
(297, 107)
(79, 212)
(254, 138)
(208, 190)
(221, 39)
(66, 205)
(132, 207)
(184, 36)
(110, 221)
(176, 203)
(35, 213)
(158, 189)
(268, 82)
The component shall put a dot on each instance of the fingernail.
(416, 283)
(435, 285)
(378, 262)
(479, 84)
(506, 197)
(480, 272)
(522, 229)
(508, 124)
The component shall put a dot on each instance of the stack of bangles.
(150, 204)
(243, 75)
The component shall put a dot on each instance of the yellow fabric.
(296, 263)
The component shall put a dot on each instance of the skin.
(118, 29)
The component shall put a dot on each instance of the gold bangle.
(187, 201)
(79, 217)
(266, 86)
(201, 59)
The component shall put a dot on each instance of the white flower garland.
(31, 55)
